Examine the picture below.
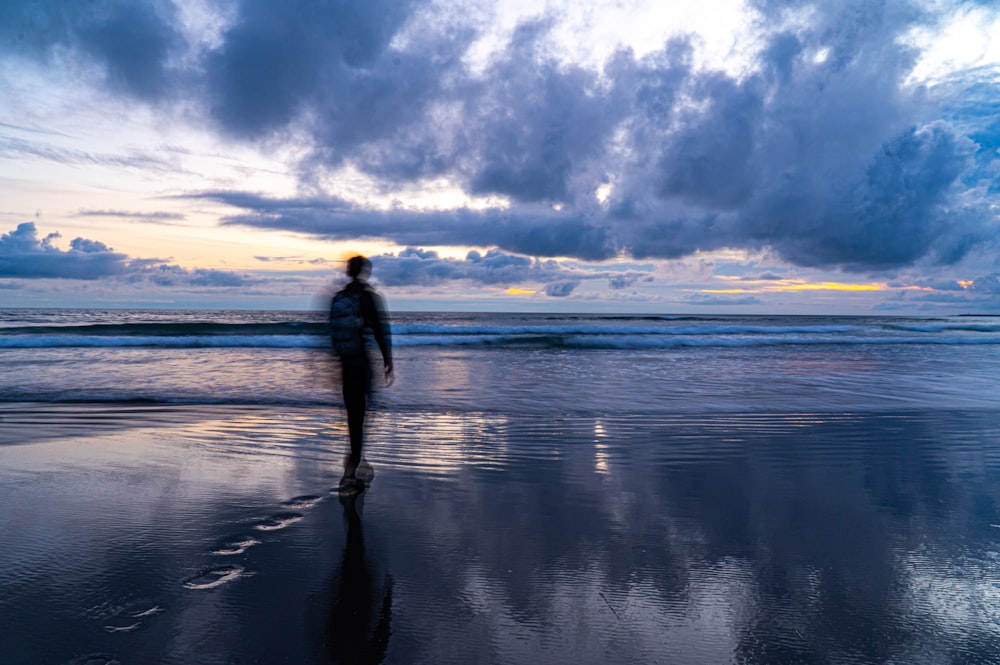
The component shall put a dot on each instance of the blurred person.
(356, 312)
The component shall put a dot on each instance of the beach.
(537, 499)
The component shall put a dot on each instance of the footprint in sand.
(303, 502)
(215, 577)
(129, 616)
(95, 659)
(278, 521)
(236, 546)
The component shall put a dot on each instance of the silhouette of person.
(366, 306)
(350, 635)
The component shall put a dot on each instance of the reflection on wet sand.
(694, 539)
(360, 620)
(806, 538)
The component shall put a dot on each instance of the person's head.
(358, 267)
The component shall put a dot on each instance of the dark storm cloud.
(132, 41)
(23, 254)
(535, 123)
(820, 152)
(828, 161)
(538, 231)
(279, 60)
(896, 212)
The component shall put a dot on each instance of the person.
(362, 303)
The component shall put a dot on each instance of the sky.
(725, 156)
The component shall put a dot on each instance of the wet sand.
(152, 534)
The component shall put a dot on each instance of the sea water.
(548, 488)
(537, 363)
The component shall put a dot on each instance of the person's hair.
(357, 265)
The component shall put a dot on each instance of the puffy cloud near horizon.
(709, 299)
(23, 254)
(418, 267)
(171, 275)
(26, 256)
(821, 149)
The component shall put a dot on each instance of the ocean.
(548, 488)
(520, 363)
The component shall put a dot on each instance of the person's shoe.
(350, 485)
(365, 472)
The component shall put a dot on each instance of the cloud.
(295, 259)
(17, 148)
(157, 216)
(132, 42)
(535, 231)
(560, 289)
(534, 123)
(762, 277)
(725, 300)
(987, 284)
(821, 149)
(210, 277)
(965, 302)
(168, 275)
(417, 267)
(936, 284)
(24, 255)
(625, 280)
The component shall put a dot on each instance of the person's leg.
(356, 402)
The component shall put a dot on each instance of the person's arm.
(375, 318)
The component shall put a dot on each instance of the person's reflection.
(351, 638)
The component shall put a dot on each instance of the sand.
(159, 534)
